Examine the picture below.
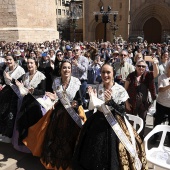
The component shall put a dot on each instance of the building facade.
(69, 19)
(43, 20)
(145, 18)
(28, 21)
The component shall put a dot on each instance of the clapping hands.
(108, 95)
(92, 92)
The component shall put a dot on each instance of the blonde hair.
(138, 55)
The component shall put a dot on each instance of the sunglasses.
(76, 50)
(59, 54)
(123, 54)
(141, 66)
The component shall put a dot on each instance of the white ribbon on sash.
(66, 103)
(131, 147)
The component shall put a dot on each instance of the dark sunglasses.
(59, 54)
(123, 54)
(76, 50)
(141, 66)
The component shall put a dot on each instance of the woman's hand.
(108, 95)
(155, 61)
(92, 92)
(31, 90)
(18, 83)
(74, 104)
(128, 105)
(7, 76)
(52, 96)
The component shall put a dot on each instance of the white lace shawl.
(119, 94)
(15, 74)
(37, 78)
(72, 88)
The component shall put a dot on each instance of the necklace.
(65, 84)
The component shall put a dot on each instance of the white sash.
(66, 103)
(131, 147)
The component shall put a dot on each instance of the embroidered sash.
(131, 147)
(122, 136)
(66, 103)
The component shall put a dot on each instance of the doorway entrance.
(152, 30)
(99, 36)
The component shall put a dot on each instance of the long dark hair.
(56, 62)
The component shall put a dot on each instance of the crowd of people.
(45, 88)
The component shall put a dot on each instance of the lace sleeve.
(118, 108)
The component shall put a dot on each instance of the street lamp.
(105, 17)
(114, 26)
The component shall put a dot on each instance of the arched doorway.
(99, 32)
(152, 30)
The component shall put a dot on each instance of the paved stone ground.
(10, 159)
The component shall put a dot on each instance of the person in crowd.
(88, 56)
(57, 47)
(69, 54)
(43, 48)
(92, 50)
(138, 85)
(115, 56)
(57, 63)
(46, 67)
(99, 146)
(164, 60)
(9, 96)
(163, 99)
(122, 68)
(96, 66)
(30, 110)
(79, 70)
(63, 46)
(137, 57)
(52, 55)
(65, 122)
(105, 52)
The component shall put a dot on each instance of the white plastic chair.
(160, 156)
(136, 120)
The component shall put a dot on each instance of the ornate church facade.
(136, 18)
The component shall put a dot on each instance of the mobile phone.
(149, 58)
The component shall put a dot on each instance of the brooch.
(58, 87)
(100, 92)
